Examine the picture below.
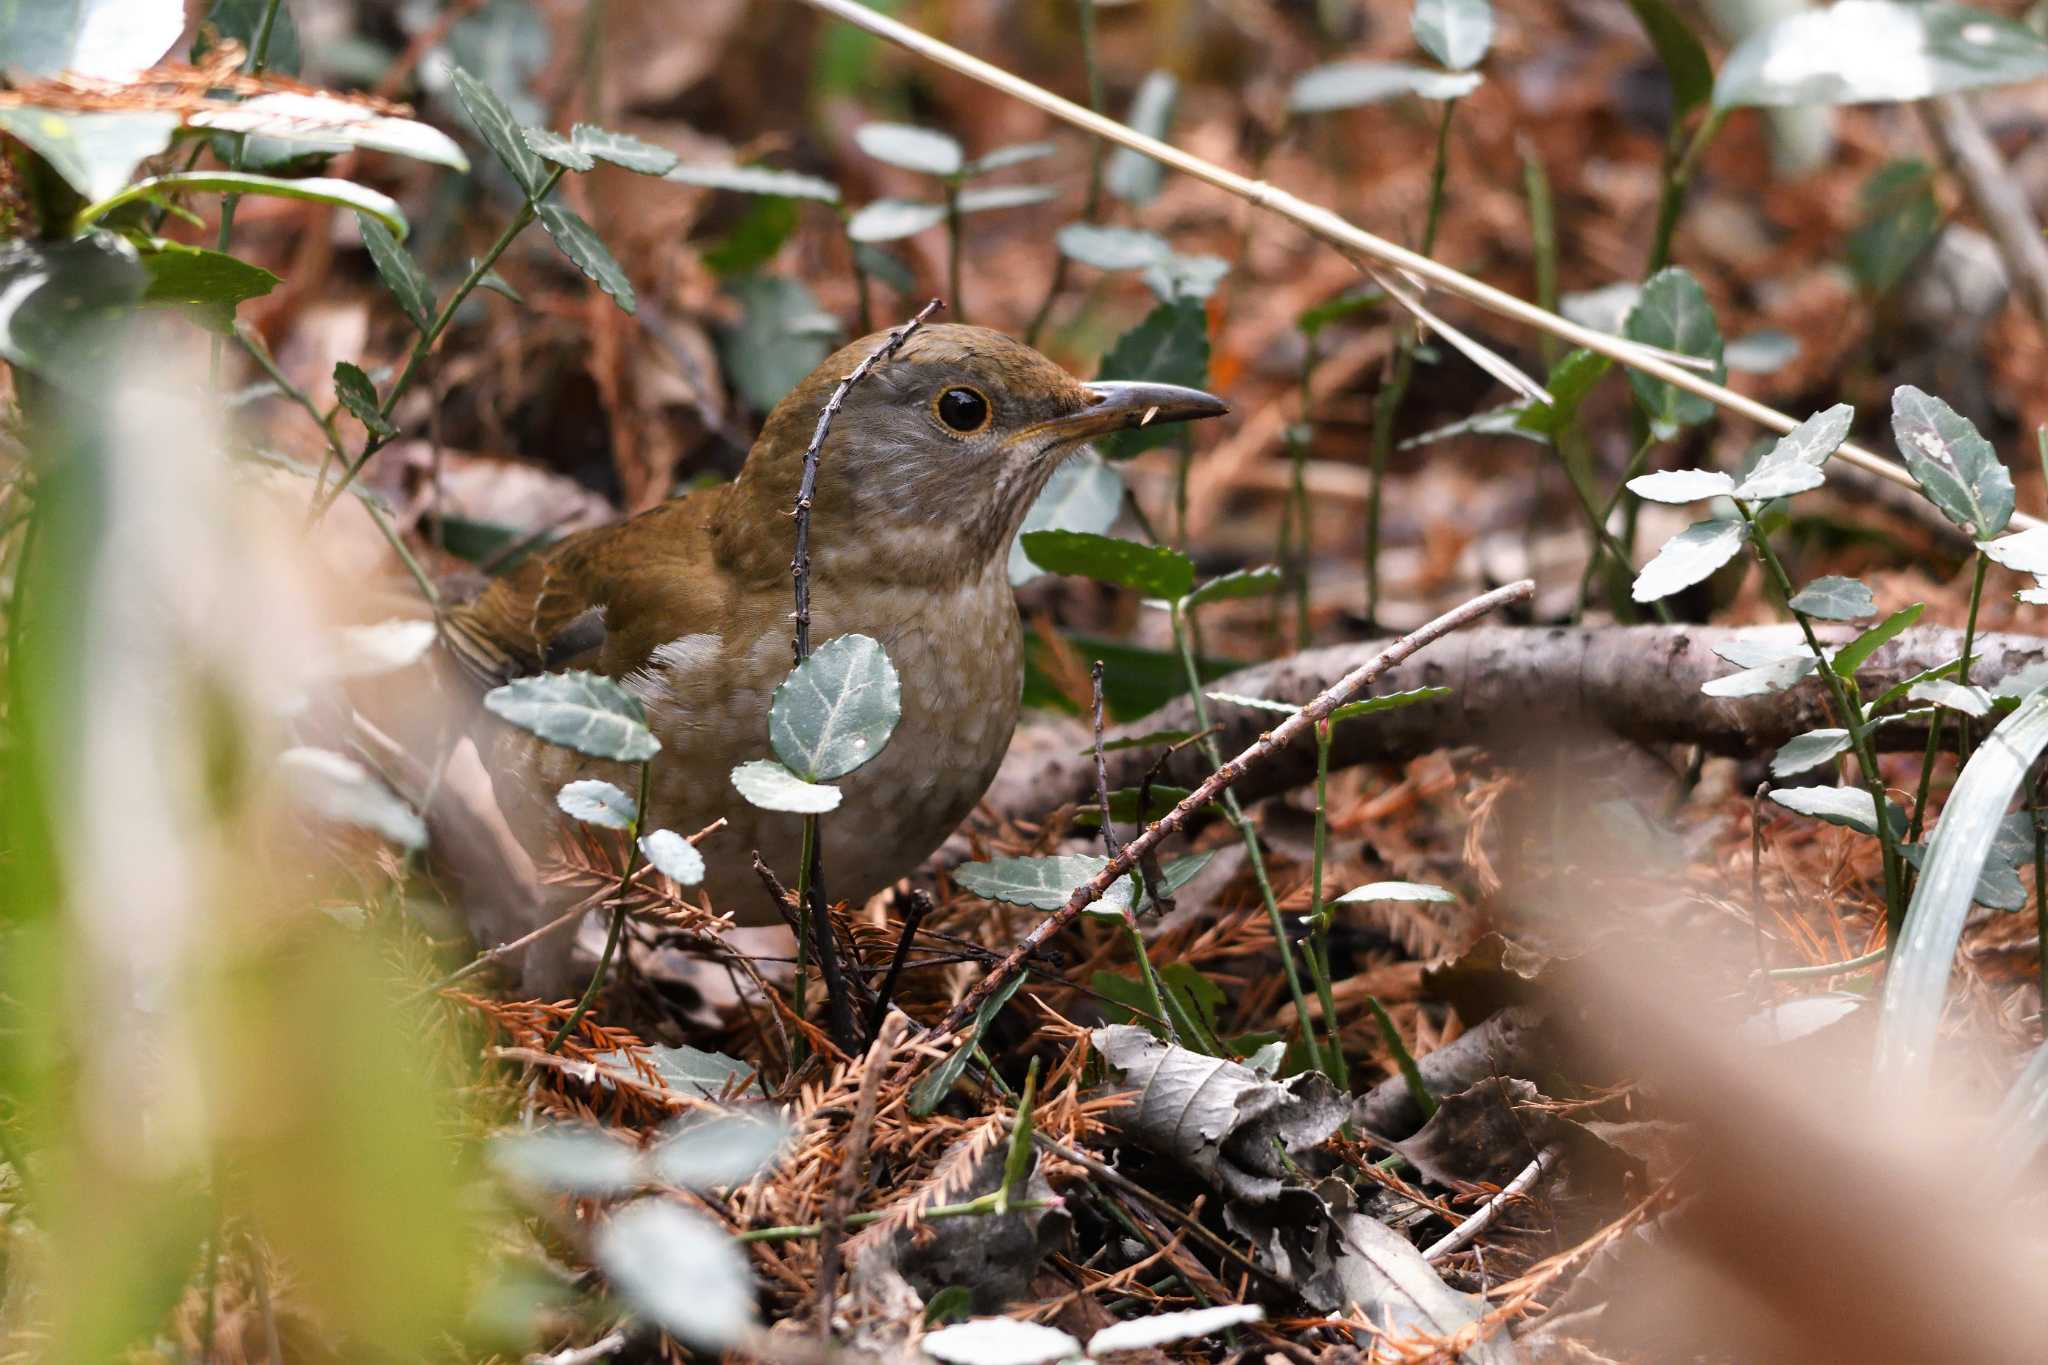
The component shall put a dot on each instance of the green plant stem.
(985, 1204)
(1092, 205)
(1969, 645)
(1184, 457)
(803, 919)
(1678, 172)
(1543, 242)
(955, 299)
(1234, 813)
(1869, 959)
(1319, 938)
(1386, 408)
(1852, 721)
(1939, 719)
(372, 443)
(1411, 1074)
(1596, 522)
(611, 938)
(1644, 446)
(862, 285)
(259, 57)
(1155, 999)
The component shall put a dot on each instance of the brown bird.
(925, 477)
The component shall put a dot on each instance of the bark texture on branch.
(1511, 687)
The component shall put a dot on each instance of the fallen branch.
(1254, 756)
(1477, 1223)
(1507, 683)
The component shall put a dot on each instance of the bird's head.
(949, 439)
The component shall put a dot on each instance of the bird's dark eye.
(962, 409)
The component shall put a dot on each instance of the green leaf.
(599, 803)
(1678, 49)
(1262, 581)
(1004, 157)
(1998, 886)
(673, 856)
(304, 122)
(1834, 598)
(1690, 557)
(1151, 739)
(1877, 51)
(582, 711)
(756, 180)
(1151, 1332)
(1132, 176)
(622, 150)
(1002, 197)
(1759, 680)
(1793, 465)
(1123, 804)
(1083, 494)
(933, 1087)
(769, 785)
(1851, 656)
(1910, 1017)
(782, 335)
(400, 273)
(59, 303)
(1155, 570)
(679, 1270)
(1347, 85)
(914, 149)
(836, 709)
(1043, 883)
(1019, 1160)
(1672, 314)
(1392, 701)
(1173, 875)
(1455, 32)
(500, 130)
(1171, 346)
(94, 153)
(1762, 352)
(240, 20)
(2023, 551)
(752, 242)
(577, 1159)
(552, 146)
(1268, 704)
(109, 39)
(1900, 220)
(1313, 320)
(359, 396)
(1809, 750)
(1955, 467)
(342, 193)
(335, 787)
(889, 220)
(719, 1150)
(1849, 807)
(1185, 277)
(1944, 670)
(209, 284)
(1395, 891)
(999, 1341)
(1680, 486)
(1971, 701)
(581, 244)
(1572, 378)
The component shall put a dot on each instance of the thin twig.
(920, 906)
(1289, 730)
(1477, 1223)
(1332, 228)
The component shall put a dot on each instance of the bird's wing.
(601, 599)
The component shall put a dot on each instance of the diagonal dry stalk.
(1352, 239)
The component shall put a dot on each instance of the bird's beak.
(1118, 405)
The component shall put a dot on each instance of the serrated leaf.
(1043, 883)
(599, 803)
(1155, 570)
(1160, 1329)
(552, 146)
(1347, 85)
(673, 856)
(1793, 464)
(1391, 701)
(1761, 679)
(622, 150)
(1834, 598)
(359, 396)
(312, 120)
(1084, 494)
(2022, 551)
(914, 149)
(999, 1341)
(1849, 807)
(1689, 557)
(889, 220)
(769, 785)
(987, 197)
(1171, 346)
(1132, 176)
(1971, 701)
(581, 244)
(495, 124)
(1954, 465)
(679, 1270)
(836, 709)
(1257, 582)
(95, 153)
(1877, 51)
(1998, 885)
(1680, 486)
(1455, 32)
(582, 711)
(1395, 891)
(400, 273)
(1672, 313)
(1809, 750)
(1679, 51)
(209, 285)
(336, 787)
(1111, 248)
(1851, 656)
(756, 180)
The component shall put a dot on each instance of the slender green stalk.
(955, 298)
(1543, 242)
(862, 284)
(1319, 939)
(1234, 813)
(1184, 457)
(1386, 408)
(1678, 170)
(1298, 519)
(1869, 959)
(1092, 205)
(1596, 523)
(1411, 1074)
(1969, 646)
(1644, 446)
(259, 57)
(803, 918)
(611, 938)
(481, 267)
(1851, 717)
(1939, 719)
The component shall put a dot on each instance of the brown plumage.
(923, 481)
